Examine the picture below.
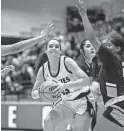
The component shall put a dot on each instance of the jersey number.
(66, 92)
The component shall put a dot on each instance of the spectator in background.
(26, 76)
(120, 29)
(7, 69)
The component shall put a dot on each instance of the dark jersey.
(111, 74)
(90, 69)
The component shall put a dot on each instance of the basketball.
(46, 93)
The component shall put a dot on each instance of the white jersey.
(63, 75)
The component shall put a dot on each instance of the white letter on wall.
(45, 112)
(11, 116)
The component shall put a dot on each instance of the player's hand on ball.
(81, 6)
(35, 94)
(59, 88)
(46, 91)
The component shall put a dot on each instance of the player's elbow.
(35, 94)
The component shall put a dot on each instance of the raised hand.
(7, 69)
(47, 29)
(81, 6)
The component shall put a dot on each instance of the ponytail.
(40, 61)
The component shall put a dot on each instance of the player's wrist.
(35, 94)
(84, 16)
(63, 86)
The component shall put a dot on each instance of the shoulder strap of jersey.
(43, 73)
(66, 66)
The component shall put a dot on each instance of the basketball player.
(87, 61)
(111, 75)
(39, 62)
(65, 70)
(23, 45)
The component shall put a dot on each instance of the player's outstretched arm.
(81, 6)
(23, 45)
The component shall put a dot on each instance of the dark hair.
(82, 44)
(40, 61)
(43, 58)
(118, 40)
(81, 47)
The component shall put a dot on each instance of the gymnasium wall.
(23, 115)
(29, 116)
(21, 15)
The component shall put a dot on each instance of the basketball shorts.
(81, 105)
(115, 113)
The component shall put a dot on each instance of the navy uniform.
(111, 80)
(92, 71)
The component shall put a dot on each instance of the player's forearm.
(35, 90)
(87, 26)
(23, 45)
(90, 34)
(79, 84)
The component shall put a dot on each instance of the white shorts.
(78, 106)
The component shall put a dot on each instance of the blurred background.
(24, 19)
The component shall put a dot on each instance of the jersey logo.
(64, 80)
(66, 92)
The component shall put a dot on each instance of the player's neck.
(54, 62)
(88, 60)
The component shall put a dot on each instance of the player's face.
(107, 43)
(89, 49)
(53, 48)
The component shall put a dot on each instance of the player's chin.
(54, 54)
(92, 55)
